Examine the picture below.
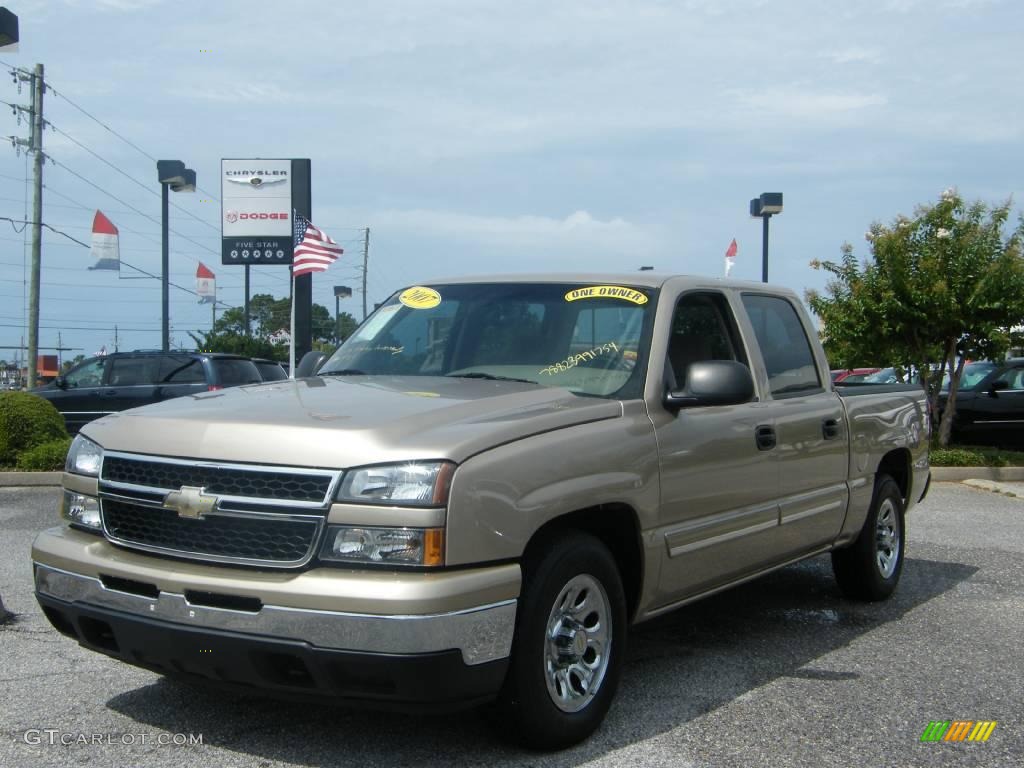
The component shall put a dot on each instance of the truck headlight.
(384, 546)
(411, 483)
(84, 457)
(81, 510)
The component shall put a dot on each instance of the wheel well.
(896, 464)
(615, 525)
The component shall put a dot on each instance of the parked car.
(990, 399)
(123, 380)
(479, 492)
(270, 370)
(852, 375)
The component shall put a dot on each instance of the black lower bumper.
(285, 668)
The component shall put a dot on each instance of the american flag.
(314, 250)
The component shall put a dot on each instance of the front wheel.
(569, 644)
(869, 569)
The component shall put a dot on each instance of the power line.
(130, 178)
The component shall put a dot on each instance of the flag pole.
(291, 331)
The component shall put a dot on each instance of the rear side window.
(181, 370)
(271, 371)
(133, 371)
(785, 347)
(231, 372)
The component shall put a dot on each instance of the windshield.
(588, 339)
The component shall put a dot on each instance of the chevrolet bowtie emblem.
(190, 502)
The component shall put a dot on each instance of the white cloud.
(808, 103)
(854, 54)
(578, 230)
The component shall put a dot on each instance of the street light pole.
(165, 259)
(174, 175)
(764, 207)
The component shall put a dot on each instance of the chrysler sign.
(256, 211)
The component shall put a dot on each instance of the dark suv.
(122, 380)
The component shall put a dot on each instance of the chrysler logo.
(190, 502)
(256, 181)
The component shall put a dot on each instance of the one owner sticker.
(607, 292)
(420, 297)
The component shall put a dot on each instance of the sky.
(476, 136)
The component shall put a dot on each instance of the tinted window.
(784, 345)
(271, 371)
(133, 371)
(231, 372)
(702, 329)
(88, 374)
(181, 369)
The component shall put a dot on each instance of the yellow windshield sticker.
(606, 292)
(420, 297)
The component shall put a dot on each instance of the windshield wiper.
(488, 377)
(344, 372)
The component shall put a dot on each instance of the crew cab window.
(785, 347)
(132, 371)
(89, 374)
(703, 329)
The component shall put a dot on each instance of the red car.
(853, 375)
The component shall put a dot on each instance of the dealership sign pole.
(258, 199)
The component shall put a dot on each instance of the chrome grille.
(264, 516)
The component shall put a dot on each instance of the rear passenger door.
(812, 440)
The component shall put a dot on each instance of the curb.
(24, 479)
(958, 474)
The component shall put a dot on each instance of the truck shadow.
(679, 667)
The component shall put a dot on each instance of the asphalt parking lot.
(778, 672)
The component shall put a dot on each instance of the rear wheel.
(569, 644)
(869, 569)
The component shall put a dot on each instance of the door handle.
(765, 438)
(830, 429)
(108, 393)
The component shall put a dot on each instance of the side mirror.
(310, 364)
(60, 382)
(713, 382)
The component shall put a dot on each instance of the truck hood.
(337, 422)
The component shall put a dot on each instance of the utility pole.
(366, 261)
(35, 146)
(60, 347)
(115, 338)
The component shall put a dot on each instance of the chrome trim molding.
(482, 634)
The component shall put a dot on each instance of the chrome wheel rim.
(887, 539)
(578, 643)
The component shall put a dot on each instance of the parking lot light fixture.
(764, 207)
(172, 175)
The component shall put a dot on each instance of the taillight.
(214, 387)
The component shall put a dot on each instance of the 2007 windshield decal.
(573, 360)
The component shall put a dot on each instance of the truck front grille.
(264, 516)
(271, 540)
(225, 481)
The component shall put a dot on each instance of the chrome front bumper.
(482, 634)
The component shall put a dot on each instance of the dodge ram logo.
(190, 502)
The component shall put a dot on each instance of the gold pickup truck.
(474, 498)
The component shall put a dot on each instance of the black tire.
(870, 568)
(526, 710)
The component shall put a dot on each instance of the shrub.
(47, 457)
(26, 421)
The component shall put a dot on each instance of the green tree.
(69, 364)
(938, 289)
(240, 344)
(346, 325)
(268, 315)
